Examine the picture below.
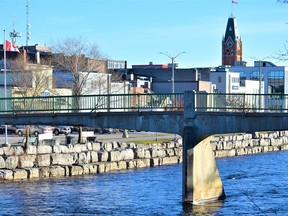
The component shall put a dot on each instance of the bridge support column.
(201, 179)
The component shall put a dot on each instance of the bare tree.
(282, 55)
(79, 58)
(76, 56)
(29, 80)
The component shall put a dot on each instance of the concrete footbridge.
(194, 116)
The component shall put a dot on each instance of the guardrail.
(241, 102)
(205, 102)
(93, 103)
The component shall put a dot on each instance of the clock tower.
(231, 44)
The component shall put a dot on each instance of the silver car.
(61, 130)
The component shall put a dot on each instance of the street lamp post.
(173, 60)
(260, 61)
(172, 76)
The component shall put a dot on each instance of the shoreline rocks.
(45, 161)
(52, 161)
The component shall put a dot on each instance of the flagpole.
(5, 87)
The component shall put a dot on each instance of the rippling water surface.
(254, 185)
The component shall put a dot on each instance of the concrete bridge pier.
(201, 179)
(200, 176)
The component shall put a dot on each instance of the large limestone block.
(84, 147)
(170, 152)
(63, 159)
(132, 145)
(111, 166)
(170, 160)
(83, 158)
(43, 160)
(19, 174)
(1, 152)
(127, 154)
(11, 162)
(32, 173)
(89, 146)
(140, 153)
(2, 163)
(86, 169)
(76, 170)
(123, 145)
(241, 151)
(101, 167)
(64, 149)
(77, 148)
(6, 175)
(31, 150)
(276, 141)
(265, 142)
(140, 163)
(107, 146)
(122, 165)
(13, 150)
(27, 161)
(44, 149)
(8, 150)
(93, 168)
(114, 156)
(96, 146)
(94, 156)
(155, 162)
(57, 171)
(158, 153)
(178, 151)
(44, 172)
(255, 142)
(115, 145)
(103, 156)
(56, 149)
(131, 164)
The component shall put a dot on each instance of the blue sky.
(137, 30)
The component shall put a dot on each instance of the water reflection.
(203, 209)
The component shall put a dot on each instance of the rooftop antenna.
(27, 24)
(14, 34)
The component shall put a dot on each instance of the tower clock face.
(229, 44)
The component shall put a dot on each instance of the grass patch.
(150, 141)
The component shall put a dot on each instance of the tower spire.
(231, 44)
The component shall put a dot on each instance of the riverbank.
(52, 161)
(231, 145)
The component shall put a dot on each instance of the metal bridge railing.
(204, 102)
(93, 103)
(241, 102)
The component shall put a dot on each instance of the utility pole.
(173, 60)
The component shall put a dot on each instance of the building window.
(219, 79)
(276, 82)
(242, 78)
(255, 75)
(235, 80)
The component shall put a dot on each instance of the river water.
(254, 185)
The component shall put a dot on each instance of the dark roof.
(231, 29)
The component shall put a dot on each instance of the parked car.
(61, 130)
(33, 130)
(10, 129)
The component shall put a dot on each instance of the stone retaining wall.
(241, 144)
(46, 161)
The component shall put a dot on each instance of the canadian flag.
(11, 47)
